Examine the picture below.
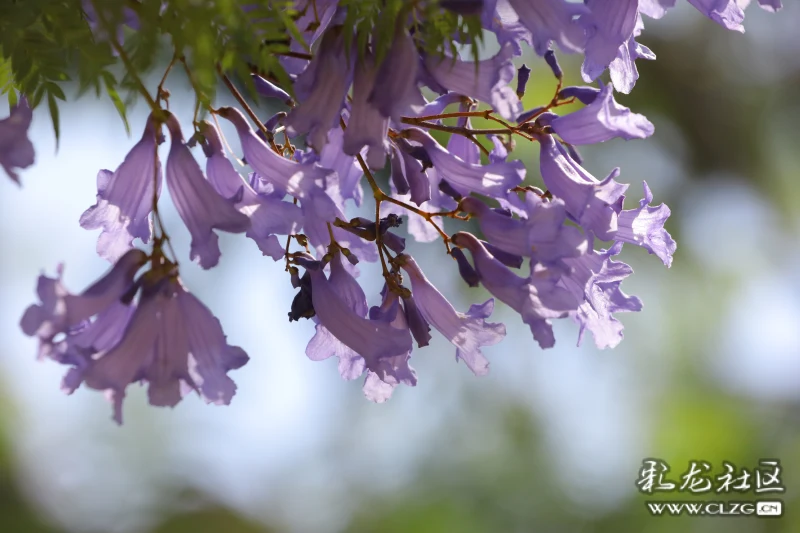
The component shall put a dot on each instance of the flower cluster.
(547, 242)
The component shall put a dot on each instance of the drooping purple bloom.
(585, 95)
(174, 343)
(552, 21)
(467, 332)
(269, 216)
(200, 207)
(500, 18)
(490, 180)
(61, 311)
(542, 235)
(319, 210)
(644, 227)
(395, 92)
(726, 13)
(622, 68)
(125, 197)
(16, 149)
(462, 147)
(487, 81)
(591, 203)
(366, 126)
(602, 120)
(321, 90)
(536, 298)
(655, 8)
(596, 278)
(286, 175)
(609, 26)
(341, 308)
(348, 170)
(410, 170)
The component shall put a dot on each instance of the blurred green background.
(550, 441)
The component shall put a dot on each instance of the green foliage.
(46, 44)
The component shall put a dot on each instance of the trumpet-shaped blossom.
(16, 149)
(125, 197)
(468, 332)
(60, 311)
(366, 126)
(286, 175)
(172, 342)
(541, 235)
(536, 298)
(609, 26)
(269, 216)
(487, 81)
(591, 203)
(602, 120)
(395, 92)
(552, 21)
(644, 227)
(201, 208)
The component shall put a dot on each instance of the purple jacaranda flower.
(316, 16)
(344, 329)
(726, 13)
(268, 215)
(125, 197)
(552, 62)
(523, 75)
(542, 235)
(366, 126)
(267, 89)
(16, 149)
(644, 227)
(622, 68)
(487, 81)
(596, 278)
(655, 8)
(321, 90)
(609, 26)
(552, 21)
(588, 201)
(500, 18)
(395, 92)
(602, 120)
(347, 168)
(490, 180)
(319, 210)
(199, 205)
(174, 343)
(61, 311)
(411, 171)
(462, 147)
(536, 298)
(129, 18)
(286, 175)
(467, 332)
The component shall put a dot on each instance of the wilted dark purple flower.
(199, 205)
(16, 149)
(467, 332)
(125, 197)
(602, 120)
(487, 81)
(644, 227)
